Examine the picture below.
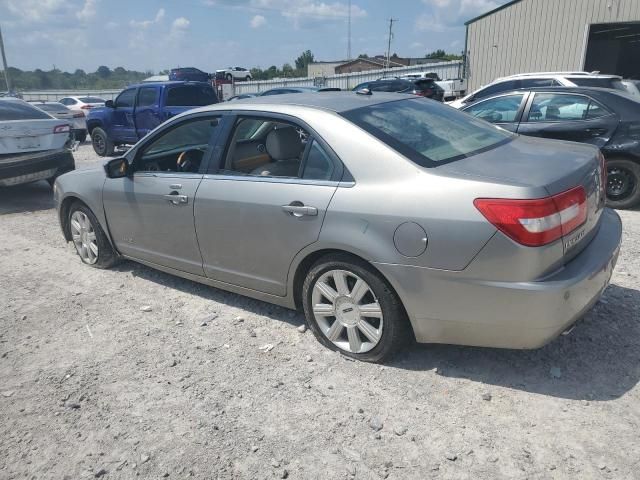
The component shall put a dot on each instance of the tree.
(103, 72)
(287, 70)
(304, 60)
(442, 55)
(363, 55)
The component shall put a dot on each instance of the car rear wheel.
(623, 183)
(247, 78)
(89, 240)
(229, 77)
(101, 143)
(350, 308)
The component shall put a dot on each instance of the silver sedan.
(384, 217)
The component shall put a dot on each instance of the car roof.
(333, 101)
(170, 82)
(553, 75)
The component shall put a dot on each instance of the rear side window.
(52, 107)
(16, 110)
(426, 132)
(319, 165)
(497, 110)
(191, 96)
(553, 107)
(496, 88)
(147, 96)
(605, 82)
(91, 99)
(538, 82)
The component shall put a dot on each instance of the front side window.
(126, 99)
(497, 110)
(553, 107)
(191, 96)
(180, 149)
(427, 133)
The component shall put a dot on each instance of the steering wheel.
(189, 160)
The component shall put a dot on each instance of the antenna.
(349, 33)
(391, 20)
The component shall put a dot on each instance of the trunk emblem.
(575, 239)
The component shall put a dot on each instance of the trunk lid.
(544, 168)
(20, 136)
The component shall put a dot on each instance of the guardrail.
(55, 95)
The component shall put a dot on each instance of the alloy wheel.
(84, 237)
(347, 311)
(98, 143)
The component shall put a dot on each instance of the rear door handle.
(176, 199)
(300, 210)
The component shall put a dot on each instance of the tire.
(247, 78)
(102, 145)
(623, 183)
(229, 77)
(88, 237)
(390, 331)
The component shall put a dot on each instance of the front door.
(568, 116)
(147, 116)
(150, 212)
(264, 204)
(124, 128)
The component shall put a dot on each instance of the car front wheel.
(101, 143)
(350, 308)
(89, 240)
(623, 183)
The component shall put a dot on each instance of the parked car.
(490, 239)
(235, 73)
(632, 86)
(82, 104)
(424, 87)
(140, 108)
(285, 90)
(541, 79)
(76, 119)
(32, 144)
(242, 96)
(190, 74)
(608, 119)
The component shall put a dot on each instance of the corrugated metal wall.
(538, 35)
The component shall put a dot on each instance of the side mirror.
(116, 168)
(109, 104)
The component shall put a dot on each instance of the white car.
(541, 79)
(32, 144)
(77, 119)
(82, 103)
(632, 86)
(235, 73)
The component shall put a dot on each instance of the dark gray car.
(383, 217)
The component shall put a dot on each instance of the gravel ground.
(208, 384)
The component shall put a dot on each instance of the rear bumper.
(445, 307)
(29, 167)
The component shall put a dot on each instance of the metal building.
(554, 35)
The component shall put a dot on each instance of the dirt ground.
(91, 386)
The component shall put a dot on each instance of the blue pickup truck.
(141, 108)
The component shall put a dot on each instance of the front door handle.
(298, 209)
(176, 199)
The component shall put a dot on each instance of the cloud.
(294, 9)
(258, 21)
(88, 10)
(179, 27)
(38, 10)
(444, 15)
(147, 23)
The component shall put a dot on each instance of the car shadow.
(30, 197)
(599, 360)
(207, 292)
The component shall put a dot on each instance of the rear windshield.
(51, 107)
(191, 96)
(16, 110)
(91, 99)
(614, 83)
(428, 133)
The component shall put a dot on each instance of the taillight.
(86, 107)
(536, 222)
(61, 129)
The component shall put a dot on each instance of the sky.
(211, 34)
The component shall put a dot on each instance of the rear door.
(251, 224)
(180, 98)
(124, 127)
(568, 116)
(504, 110)
(148, 115)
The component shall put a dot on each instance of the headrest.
(284, 143)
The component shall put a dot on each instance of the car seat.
(284, 146)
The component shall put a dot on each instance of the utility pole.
(4, 63)
(349, 33)
(391, 20)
